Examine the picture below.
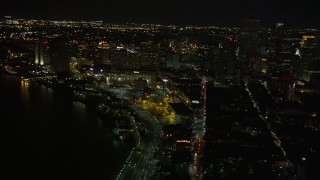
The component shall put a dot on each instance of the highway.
(140, 164)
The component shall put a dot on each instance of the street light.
(164, 91)
(164, 83)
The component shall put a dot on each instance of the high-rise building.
(223, 59)
(281, 50)
(60, 55)
(230, 57)
(123, 59)
(173, 60)
(146, 57)
(249, 43)
(104, 52)
(163, 50)
(149, 56)
(308, 61)
(42, 53)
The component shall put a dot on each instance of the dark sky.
(197, 12)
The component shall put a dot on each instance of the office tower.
(230, 57)
(163, 50)
(60, 55)
(223, 59)
(144, 57)
(307, 62)
(173, 60)
(123, 58)
(42, 53)
(79, 50)
(282, 44)
(104, 52)
(203, 56)
(149, 56)
(249, 43)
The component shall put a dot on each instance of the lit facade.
(127, 78)
(42, 55)
(104, 52)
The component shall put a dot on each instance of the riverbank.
(49, 135)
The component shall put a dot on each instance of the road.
(140, 164)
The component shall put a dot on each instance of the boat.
(10, 70)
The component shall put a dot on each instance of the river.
(46, 135)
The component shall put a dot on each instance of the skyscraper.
(59, 55)
(308, 61)
(230, 56)
(173, 60)
(249, 43)
(104, 52)
(42, 54)
(281, 50)
(149, 55)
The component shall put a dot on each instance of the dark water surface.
(45, 135)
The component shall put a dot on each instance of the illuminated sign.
(103, 42)
(45, 42)
(183, 141)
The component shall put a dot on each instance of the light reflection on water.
(55, 133)
(25, 91)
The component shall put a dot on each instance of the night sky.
(185, 12)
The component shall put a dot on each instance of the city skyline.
(225, 13)
(98, 99)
